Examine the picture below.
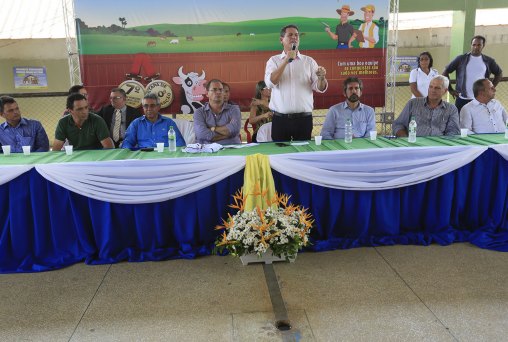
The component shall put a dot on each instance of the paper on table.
(240, 145)
(299, 143)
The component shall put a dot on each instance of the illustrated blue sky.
(100, 12)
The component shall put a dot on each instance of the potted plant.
(279, 230)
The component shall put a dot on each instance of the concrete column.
(463, 29)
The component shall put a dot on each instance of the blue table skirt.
(469, 204)
(44, 226)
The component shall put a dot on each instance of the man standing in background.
(470, 67)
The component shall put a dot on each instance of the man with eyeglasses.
(118, 115)
(82, 129)
(217, 121)
(483, 114)
(17, 131)
(151, 128)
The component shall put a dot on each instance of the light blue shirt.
(230, 116)
(362, 117)
(143, 133)
(26, 133)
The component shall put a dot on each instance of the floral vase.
(267, 258)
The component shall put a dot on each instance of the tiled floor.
(396, 293)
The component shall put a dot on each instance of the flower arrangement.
(282, 227)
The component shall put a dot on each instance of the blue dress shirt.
(26, 133)
(143, 133)
(362, 117)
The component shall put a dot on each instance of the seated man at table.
(151, 128)
(217, 121)
(17, 131)
(483, 114)
(362, 116)
(433, 115)
(83, 130)
(118, 115)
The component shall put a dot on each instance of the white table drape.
(374, 169)
(147, 181)
(141, 181)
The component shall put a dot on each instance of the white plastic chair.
(187, 129)
(264, 133)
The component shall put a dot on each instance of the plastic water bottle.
(348, 131)
(506, 130)
(412, 130)
(171, 139)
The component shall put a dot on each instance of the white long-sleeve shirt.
(293, 94)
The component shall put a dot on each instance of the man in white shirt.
(293, 77)
(471, 67)
(483, 114)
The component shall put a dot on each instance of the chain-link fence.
(48, 109)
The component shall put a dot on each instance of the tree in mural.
(123, 22)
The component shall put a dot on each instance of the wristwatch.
(212, 128)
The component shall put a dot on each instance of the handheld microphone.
(293, 48)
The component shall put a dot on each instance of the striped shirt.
(478, 117)
(442, 120)
(26, 133)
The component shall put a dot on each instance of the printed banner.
(30, 77)
(404, 64)
(183, 44)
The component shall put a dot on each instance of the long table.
(113, 205)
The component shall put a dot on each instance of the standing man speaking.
(292, 78)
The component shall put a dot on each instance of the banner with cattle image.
(172, 48)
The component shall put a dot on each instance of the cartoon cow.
(193, 90)
(174, 41)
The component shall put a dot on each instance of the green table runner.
(264, 148)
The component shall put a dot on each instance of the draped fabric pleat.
(44, 226)
(468, 204)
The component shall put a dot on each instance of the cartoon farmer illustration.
(344, 31)
(368, 34)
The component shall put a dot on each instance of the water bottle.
(412, 130)
(348, 131)
(506, 130)
(171, 139)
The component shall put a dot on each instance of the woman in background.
(419, 78)
(260, 113)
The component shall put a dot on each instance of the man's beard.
(353, 98)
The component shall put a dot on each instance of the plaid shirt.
(442, 120)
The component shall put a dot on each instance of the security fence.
(48, 108)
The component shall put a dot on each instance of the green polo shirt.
(88, 137)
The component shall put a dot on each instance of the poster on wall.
(30, 77)
(187, 43)
(404, 64)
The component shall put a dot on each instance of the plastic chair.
(187, 129)
(265, 133)
(247, 132)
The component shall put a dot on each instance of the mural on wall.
(179, 43)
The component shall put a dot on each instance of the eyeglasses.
(116, 97)
(151, 105)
